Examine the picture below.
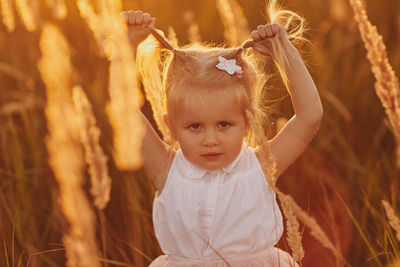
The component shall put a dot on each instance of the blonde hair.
(170, 74)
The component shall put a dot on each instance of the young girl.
(214, 206)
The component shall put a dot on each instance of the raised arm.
(157, 155)
(298, 132)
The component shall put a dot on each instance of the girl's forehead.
(210, 94)
(208, 107)
(209, 98)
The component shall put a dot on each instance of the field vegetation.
(72, 192)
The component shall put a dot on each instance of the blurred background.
(340, 180)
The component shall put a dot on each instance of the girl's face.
(210, 131)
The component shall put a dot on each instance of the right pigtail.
(294, 25)
(267, 161)
(151, 61)
(259, 112)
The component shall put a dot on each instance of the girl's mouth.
(211, 156)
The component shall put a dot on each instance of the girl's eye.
(224, 124)
(195, 126)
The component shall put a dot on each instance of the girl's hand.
(137, 22)
(265, 34)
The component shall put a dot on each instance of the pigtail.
(294, 25)
(258, 113)
(152, 55)
(164, 43)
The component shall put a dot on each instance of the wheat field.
(72, 190)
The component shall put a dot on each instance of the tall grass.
(94, 155)
(193, 29)
(387, 84)
(352, 155)
(7, 14)
(26, 15)
(394, 221)
(65, 156)
(234, 21)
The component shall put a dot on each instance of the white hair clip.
(229, 65)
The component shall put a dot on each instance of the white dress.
(227, 217)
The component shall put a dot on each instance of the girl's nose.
(210, 138)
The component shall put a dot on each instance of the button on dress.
(215, 218)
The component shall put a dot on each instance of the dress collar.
(195, 172)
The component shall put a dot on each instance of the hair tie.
(161, 39)
(239, 51)
(248, 43)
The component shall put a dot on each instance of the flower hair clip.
(229, 65)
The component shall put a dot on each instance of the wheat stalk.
(234, 21)
(26, 14)
(96, 26)
(394, 221)
(289, 206)
(125, 97)
(125, 101)
(94, 155)
(387, 83)
(64, 150)
(268, 165)
(173, 40)
(316, 230)
(294, 237)
(59, 8)
(7, 15)
(193, 30)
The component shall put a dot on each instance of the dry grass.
(26, 15)
(387, 83)
(124, 94)
(58, 7)
(268, 164)
(234, 21)
(64, 151)
(172, 37)
(125, 99)
(394, 221)
(316, 230)
(96, 24)
(294, 237)
(7, 14)
(193, 30)
(94, 155)
(41, 226)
